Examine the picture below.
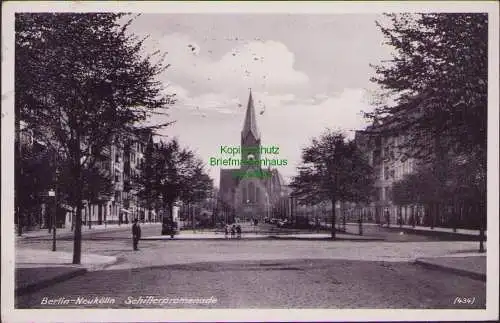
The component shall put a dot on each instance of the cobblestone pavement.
(312, 283)
(268, 273)
(169, 252)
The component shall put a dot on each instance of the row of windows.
(399, 171)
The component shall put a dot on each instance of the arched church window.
(244, 195)
(251, 192)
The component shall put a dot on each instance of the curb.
(271, 237)
(202, 239)
(462, 272)
(48, 282)
(452, 236)
(71, 234)
(324, 239)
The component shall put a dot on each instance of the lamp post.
(52, 193)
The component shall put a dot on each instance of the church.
(252, 191)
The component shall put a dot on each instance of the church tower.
(250, 137)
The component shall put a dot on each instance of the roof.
(144, 134)
(250, 123)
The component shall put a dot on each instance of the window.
(244, 195)
(386, 193)
(386, 172)
(251, 192)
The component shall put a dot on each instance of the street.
(265, 273)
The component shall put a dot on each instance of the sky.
(307, 72)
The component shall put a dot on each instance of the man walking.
(136, 233)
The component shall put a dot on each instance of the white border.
(9, 314)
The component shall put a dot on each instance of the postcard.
(249, 161)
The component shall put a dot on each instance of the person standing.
(238, 231)
(136, 233)
(233, 231)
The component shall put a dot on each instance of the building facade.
(122, 164)
(251, 191)
(388, 153)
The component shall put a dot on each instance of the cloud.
(218, 83)
(211, 81)
(260, 65)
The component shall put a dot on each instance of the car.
(169, 228)
(282, 223)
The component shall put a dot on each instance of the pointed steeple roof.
(250, 124)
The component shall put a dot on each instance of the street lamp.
(52, 193)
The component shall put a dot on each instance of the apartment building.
(122, 163)
(134, 150)
(388, 152)
(105, 207)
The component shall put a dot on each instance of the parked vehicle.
(169, 228)
(282, 223)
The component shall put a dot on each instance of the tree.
(438, 79)
(82, 81)
(440, 64)
(34, 177)
(333, 169)
(179, 175)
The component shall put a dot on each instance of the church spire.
(250, 124)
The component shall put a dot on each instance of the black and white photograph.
(211, 161)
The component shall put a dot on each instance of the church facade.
(251, 191)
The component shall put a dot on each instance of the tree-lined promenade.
(431, 108)
(82, 83)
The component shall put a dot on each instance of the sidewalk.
(442, 232)
(66, 232)
(256, 236)
(436, 229)
(473, 266)
(419, 229)
(36, 269)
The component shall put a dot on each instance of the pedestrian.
(233, 231)
(238, 231)
(136, 233)
(226, 231)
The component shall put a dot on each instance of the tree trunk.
(91, 212)
(482, 227)
(171, 211)
(18, 170)
(333, 217)
(413, 216)
(360, 222)
(77, 241)
(78, 197)
(344, 222)
(432, 215)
